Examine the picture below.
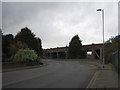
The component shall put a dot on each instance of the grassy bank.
(94, 62)
(19, 68)
(80, 60)
(14, 67)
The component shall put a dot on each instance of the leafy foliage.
(25, 56)
(16, 46)
(74, 50)
(6, 41)
(111, 46)
(26, 36)
(25, 48)
(38, 46)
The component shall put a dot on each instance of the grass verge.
(20, 68)
(83, 60)
(94, 62)
(10, 67)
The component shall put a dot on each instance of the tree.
(74, 50)
(112, 45)
(14, 47)
(38, 47)
(26, 36)
(6, 41)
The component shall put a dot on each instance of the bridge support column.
(57, 55)
(66, 55)
(50, 55)
(93, 54)
(100, 53)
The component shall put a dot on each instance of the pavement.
(0, 80)
(106, 77)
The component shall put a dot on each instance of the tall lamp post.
(103, 32)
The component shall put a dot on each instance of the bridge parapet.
(58, 49)
(92, 46)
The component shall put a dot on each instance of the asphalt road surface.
(56, 74)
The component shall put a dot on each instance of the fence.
(115, 60)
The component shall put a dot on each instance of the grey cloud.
(0, 15)
(57, 23)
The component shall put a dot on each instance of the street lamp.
(103, 32)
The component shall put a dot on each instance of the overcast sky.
(55, 23)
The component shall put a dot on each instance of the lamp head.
(99, 9)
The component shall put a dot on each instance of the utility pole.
(103, 33)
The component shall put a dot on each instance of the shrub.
(14, 47)
(26, 56)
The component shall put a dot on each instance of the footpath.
(106, 77)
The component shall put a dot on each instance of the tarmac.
(106, 77)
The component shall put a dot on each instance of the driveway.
(56, 74)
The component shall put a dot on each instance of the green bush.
(26, 56)
(14, 47)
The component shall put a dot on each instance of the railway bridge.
(62, 52)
